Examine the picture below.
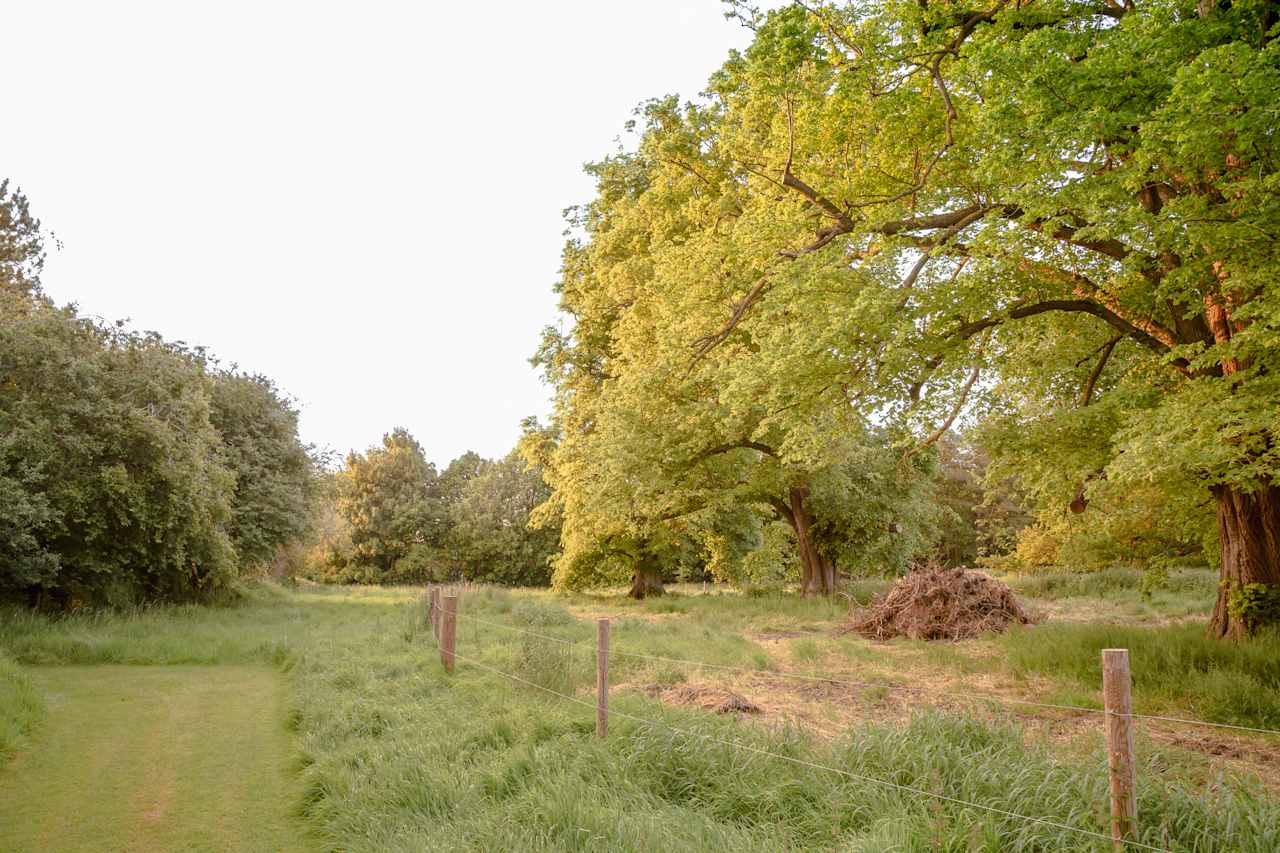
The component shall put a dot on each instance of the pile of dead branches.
(940, 604)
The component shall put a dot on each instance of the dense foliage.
(274, 473)
(129, 468)
(388, 516)
(1059, 217)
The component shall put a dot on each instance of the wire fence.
(1118, 716)
(810, 764)
(820, 678)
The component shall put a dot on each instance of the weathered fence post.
(1118, 701)
(448, 631)
(602, 677)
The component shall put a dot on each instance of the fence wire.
(810, 764)
(828, 679)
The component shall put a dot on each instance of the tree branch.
(746, 444)
(1094, 374)
(951, 418)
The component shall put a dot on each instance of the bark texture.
(818, 574)
(1249, 529)
(646, 581)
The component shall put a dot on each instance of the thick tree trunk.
(646, 581)
(817, 573)
(1249, 530)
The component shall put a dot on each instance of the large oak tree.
(894, 213)
(1081, 196)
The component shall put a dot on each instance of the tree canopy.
(881, 218)
(131, 468)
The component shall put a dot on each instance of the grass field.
(155, 758)
(389, 753)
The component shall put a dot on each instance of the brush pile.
(940, 604)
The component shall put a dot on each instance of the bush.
(112, 484)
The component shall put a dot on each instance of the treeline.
(388, 516)
(135, 469)
(131, 468)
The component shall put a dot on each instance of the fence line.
(813, 765)
(875, 684)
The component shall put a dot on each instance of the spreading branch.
(951, 417)
(1087, 395)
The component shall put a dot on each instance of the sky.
(362, 201)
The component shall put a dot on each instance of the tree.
(1076, 199)
(490, 531)
(129, 469)
(112, 487)
(654, 460)
(21, 243)
(273, 469)
(384, 497)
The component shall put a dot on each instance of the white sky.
(361, 200)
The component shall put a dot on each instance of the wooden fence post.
(602, 677)
(1118, 701)
(448, 631)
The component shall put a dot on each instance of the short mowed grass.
(191, 758)
(391, 753)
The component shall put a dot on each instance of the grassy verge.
(1175, 667)
(395, 755)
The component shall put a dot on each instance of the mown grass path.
(171, 758)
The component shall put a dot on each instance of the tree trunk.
(1249, 530)
(646, 581)
(817, 573)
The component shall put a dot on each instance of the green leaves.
(1078, 201)
(110, 469)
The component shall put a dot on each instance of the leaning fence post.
(448, 631)
(1118, 701)
(602, 677)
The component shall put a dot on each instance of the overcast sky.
(361, 200)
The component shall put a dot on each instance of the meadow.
(385, 751)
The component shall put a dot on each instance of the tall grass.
(1201, 583)
(474, 762)
(395, 755)
(21, 707)
(1174, 665)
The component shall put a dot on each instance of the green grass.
(1122, 594)
(1173, 667)
(156, 758)
(21, 707)
(392, 754)
(1202, 583)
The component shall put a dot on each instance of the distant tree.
(490, 533)
(272, 467)
(385, 498)
(21, 243)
